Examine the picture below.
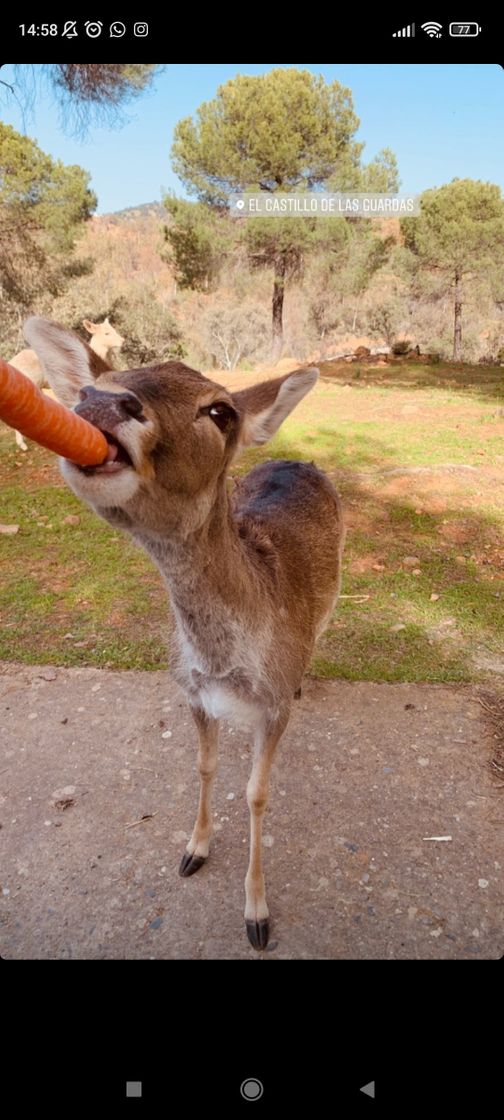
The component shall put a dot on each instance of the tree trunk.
(278, 299)
(457, 334)
(355, 312)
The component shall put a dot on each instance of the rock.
(434, 598)
(67, 791)
(63, 798)
(48, 674)
(9, 530)
(411, 561)
(72, 519)
(397, 626)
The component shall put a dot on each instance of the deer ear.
(264, 407)
(68, 362)
(89, 326)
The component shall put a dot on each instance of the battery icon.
(464, 30)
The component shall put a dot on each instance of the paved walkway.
(364, 773)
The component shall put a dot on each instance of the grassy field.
(417, 452)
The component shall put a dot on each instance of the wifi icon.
(432, 29)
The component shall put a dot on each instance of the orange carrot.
(48, 422)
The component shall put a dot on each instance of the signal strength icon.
(405, 32)
(432, 29)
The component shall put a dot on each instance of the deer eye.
(222, 414)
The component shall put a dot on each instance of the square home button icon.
(133, 1088)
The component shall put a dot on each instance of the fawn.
(253, 577)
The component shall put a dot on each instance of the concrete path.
(364, 773)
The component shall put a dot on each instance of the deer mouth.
(118, 458)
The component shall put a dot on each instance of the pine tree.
(459, 233)
(282, 131)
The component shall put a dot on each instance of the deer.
(253, 575)
(104, 339)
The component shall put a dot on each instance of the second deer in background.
(104, 339)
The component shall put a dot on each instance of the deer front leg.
(197, 848)
(256, 909)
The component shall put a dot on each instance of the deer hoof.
(258, 933)
(190, 864)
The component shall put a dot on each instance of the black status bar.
(38, 36)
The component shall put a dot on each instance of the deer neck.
(99, 347)
(215, 576)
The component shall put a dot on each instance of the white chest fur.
(234, 691)
(220, 701)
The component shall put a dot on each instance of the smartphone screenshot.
(251, 567)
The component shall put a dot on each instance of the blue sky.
(442, 121)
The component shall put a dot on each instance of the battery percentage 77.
(464, 30)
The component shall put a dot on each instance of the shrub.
(401, 346)
(233, 333)
(151, 334)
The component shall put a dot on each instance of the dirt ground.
(98, 792)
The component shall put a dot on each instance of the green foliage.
(41, 193)
(281, 131)
(386, 317)
(460, 234)
(460, 228)
(367, 254)
(284, 129)
(382, 174)
(43, 204)
(150, 332)
(197, 241)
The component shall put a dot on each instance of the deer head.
(103, 334)
(172, 432)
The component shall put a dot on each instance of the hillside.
(134, 213)
(123, 270)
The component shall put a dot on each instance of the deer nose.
(106, 410)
